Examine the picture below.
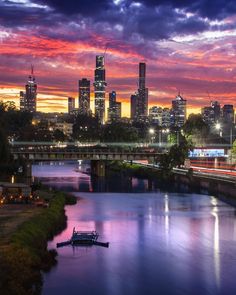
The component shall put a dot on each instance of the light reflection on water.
(160, 243)
(64, 177)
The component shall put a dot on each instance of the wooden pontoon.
(83, 238)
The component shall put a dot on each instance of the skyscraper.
(100, 88)
(208, 115)
(22, 100)
(155, 115)
(166, 117)
(217, 110)
(133, 105)
(114, 110)
(179, 110)
(142, 98)
(28, 99)
(84, 96)
(71, 105)
(228, 114)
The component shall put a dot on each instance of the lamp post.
(232, 134)
(218, 127)
(152, 134)
(166, 131)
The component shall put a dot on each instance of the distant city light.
(218, 126)
(151, 131)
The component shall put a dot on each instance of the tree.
(12, 120)
(4, 149)
(196, 130)
(234, 149)
(59, 135)
(119, 132)
(86, 128)
(143, 130)
(175, 157)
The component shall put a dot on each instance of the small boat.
(86, 238)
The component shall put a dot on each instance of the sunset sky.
(189, 46)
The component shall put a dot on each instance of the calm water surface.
(160, 243)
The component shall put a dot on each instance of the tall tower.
(100, 88)
(84, 96)
(71, 105)
(31, 92)
(28, 99)
(142, 98)
(114, 110)
(142, 75)
(179, 110)
(133, 106)
(22, 100)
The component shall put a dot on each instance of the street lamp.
(165, 132)
(218, 127)
(152, 132)
(232, 134)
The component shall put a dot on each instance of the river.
(160, 242)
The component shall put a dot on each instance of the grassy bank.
(25, 255)
(133, 170)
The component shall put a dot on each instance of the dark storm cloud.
(213, 9)
(15, 14)
(153, 20)
(83, 7)
(166, 22)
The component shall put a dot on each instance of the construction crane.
(105, 50)
(208, 95)
(104, 54)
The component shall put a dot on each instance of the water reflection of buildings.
(216, 245)
(166, 200)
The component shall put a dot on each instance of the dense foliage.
(196, 130)
(175, 158)
(12, 121)
(119, 132)
(86, 128)
(26, 255)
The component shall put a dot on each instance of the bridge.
(54, 153)
(97, 154)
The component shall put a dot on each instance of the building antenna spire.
(104, 54)
(209, 96)
(32, 69)
(105, 49)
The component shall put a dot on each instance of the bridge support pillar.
(28, 172)
(98, 168)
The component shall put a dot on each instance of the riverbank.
(132, 169)
(179, 180)
(23, 244)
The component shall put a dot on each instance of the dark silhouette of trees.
(119, 132)
(196, 130)
(86, 128)
(175, 157)
(4, 148)
(13, 121)
(58, 135)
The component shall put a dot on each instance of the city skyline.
(192, 52)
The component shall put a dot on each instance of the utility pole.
(159, 133)
(177, 137)
(231, 136)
